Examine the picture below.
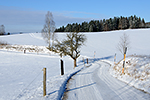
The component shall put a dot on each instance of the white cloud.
(32, 21)
(17, 17)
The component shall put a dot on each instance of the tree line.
(116, 23)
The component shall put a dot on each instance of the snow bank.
(136, 73)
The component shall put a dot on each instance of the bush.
(3, 43)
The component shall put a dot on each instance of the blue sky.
(29, 15)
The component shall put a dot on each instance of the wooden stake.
(87, 60)
(124, 59)
(122, 70)
(62, 67)
(94, 53)
(115, 58)
(83, 61)
(24, 51)
(44, 81)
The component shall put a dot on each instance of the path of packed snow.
(95, 83)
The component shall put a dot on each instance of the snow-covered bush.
(136, 73)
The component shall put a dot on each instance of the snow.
(95, 83)
(21, 74)
(137, 72)
(18, 70)
(24, 39)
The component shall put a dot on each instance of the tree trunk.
(52, 47)
(52, 44)
(75, 63)
(49, 45)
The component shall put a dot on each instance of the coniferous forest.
(116, 23)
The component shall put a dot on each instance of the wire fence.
(23, 92)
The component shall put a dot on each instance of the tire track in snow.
(105, 90)
(34, 36)
(95, 83)
(85, 89)
(122, 89)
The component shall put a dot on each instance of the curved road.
(95, 83)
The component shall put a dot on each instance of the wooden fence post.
(87, 60)
(62, 67)
(44, 81)
(24, 51)
(83, 61)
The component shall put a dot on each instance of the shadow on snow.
(93, 60)
(80, 87)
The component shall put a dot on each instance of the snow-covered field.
(21, 74)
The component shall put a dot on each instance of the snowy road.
(95, 83)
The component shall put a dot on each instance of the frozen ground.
(18, 70)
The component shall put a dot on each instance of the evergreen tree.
(125, 23)
(120, 26)
(130, 22)
(115, 23)
(104, 23)
(91, 28)
(135, 22)
(143, 23)
(110, 24)
(85, 27)
(101, 25)
(68, 28)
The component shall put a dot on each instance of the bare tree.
(2, 30)
(71, 46)
(123, 43)
(48, 31)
